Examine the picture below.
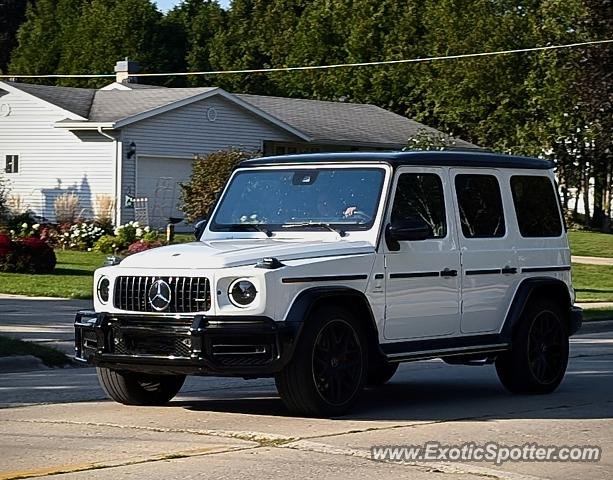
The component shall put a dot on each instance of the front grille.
(168, 337)
(187, 294)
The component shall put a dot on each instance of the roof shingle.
(324, 122)
(75, 100)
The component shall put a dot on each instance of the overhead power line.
(326, 67)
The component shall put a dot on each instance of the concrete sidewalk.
(592, 260)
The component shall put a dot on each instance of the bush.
(15, 222)
(125, 236)
(107, 244)
(80, 236)
(142, 245)
(209, 176)
(4, 207)
(29, 255)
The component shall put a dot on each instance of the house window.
(12, 164)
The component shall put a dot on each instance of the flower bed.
(27, 255)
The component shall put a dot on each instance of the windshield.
(300, 199)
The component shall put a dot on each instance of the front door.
(422, 276)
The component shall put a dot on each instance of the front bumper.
(200, 345)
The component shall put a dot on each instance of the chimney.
(123, 68)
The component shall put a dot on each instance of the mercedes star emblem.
(159, 295)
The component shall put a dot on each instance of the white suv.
(326, 271)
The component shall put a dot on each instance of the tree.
(194, 24)
(594, 86)
(109, 30)
(12, 15)
(209, 176)
(39, 41)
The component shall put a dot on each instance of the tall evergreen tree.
(39, 41)
(109, 30)
(195, 23)
(12, 15)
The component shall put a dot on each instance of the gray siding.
(52, 161)
(186, 131)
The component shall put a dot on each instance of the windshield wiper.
(327, 226)
(251, 226)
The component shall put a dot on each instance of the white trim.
(83, 125)
(15, 90)
(118, 167)
(115, 86)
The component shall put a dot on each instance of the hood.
(235, 253)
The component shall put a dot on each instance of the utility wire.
(326, 67)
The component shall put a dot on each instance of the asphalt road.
(56, 423)
(47, 321)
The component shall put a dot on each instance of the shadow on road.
(440, 392)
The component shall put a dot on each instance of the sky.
(166, 5)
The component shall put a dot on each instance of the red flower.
(35, 243)
(6, 244)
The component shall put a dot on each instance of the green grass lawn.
(72, 278)
(597, 314)
(50, 356)
(591, 244)
(593, 283)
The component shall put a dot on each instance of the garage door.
(157, 180)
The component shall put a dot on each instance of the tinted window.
(536, 206)
(480, 205)
(421, 195)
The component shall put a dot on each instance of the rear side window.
(421, 195)
(480, 205)
(536, 206)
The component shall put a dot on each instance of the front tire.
(131, 388)
(537, 360)
(328, 369)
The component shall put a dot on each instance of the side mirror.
(411, 229)
(199, 227)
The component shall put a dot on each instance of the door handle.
(449, 273)
(508, 270)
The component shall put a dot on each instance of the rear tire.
(537, 360)
(131, 388)
(328, 369)
(380, 373)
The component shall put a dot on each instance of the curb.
(596, 326)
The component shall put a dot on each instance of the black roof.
(447, 158)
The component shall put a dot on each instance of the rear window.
(536, 206)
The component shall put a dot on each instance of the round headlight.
(103, 289)
(242, 292)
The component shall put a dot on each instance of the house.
(138, 141)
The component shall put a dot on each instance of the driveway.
(233, 428)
